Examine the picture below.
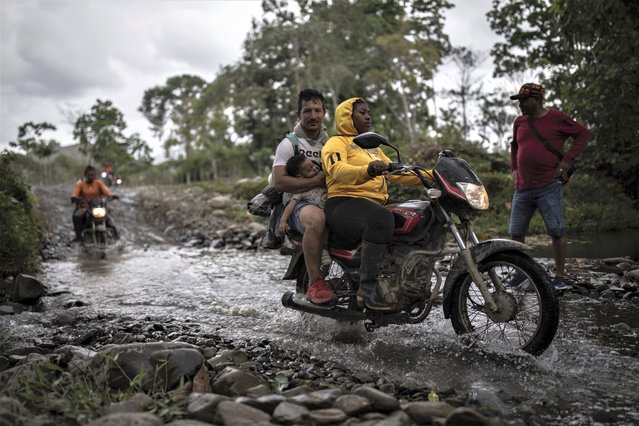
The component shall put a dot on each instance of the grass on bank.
(22, 225)
(593, 203)
(45, 388)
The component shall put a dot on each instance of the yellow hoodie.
(346, 164)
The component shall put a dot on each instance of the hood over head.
(344, 117)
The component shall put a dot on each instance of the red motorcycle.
(492, 291)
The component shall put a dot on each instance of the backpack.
(268, 202)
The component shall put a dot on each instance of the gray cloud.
(72, 52)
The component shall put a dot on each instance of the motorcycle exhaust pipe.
(299, 303)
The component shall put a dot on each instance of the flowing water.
(591, 368)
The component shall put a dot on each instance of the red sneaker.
(319, 293)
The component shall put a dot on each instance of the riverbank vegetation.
(21, 224)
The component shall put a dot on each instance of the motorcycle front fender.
(297, 262)
(479, 252)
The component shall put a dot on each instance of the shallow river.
(591, 368)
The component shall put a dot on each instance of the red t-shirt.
(534, 164)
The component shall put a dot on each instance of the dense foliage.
(21, 225)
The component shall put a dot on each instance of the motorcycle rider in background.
(85, 190)
(107, 173)
(357, 191)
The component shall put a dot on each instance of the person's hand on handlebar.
(377, 168)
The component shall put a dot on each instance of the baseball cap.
(528, 90)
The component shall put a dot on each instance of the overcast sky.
(62, 55)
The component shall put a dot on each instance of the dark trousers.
(356, 219)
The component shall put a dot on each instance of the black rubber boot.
(372, 255)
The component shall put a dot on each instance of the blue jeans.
(548, 199)
(294, 220)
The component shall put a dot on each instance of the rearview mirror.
(371, 140)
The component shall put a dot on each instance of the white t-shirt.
(285, 151)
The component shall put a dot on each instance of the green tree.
(31, 140)
(468, 85)
(172, 107)
(495, 120)
(587, 55)
(100, 134)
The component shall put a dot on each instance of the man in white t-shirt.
(306, 219)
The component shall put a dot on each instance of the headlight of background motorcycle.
(98, 212)
(475, 194)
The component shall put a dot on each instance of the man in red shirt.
(85, 190)
(538, 173)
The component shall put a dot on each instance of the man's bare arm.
(295, 185)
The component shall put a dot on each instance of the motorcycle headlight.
(98, 212)
(118, 181)
(475, 194)
(104, 174)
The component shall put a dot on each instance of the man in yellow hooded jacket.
(357, 187)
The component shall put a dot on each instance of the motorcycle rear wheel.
(529, 313)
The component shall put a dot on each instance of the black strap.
(547, 144)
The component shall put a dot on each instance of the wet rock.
(465, 416)
(379, 400)
(127, 419)
(231, 413)
(426, 411)
(11, 308)
(632, 275)
(266, 403)
(135, 404)
(27, 289)
(318, 399)
(65, 318)
(187, 422)
(235, 382)
(288, 413)
(353, 405)
(203, 406)
(167, 363)
(327, 416)
(603, 416)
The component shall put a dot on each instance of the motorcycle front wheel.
(528, 313)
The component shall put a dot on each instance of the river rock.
(137, 403)
(380, 401)
(353, 405)
(326, 416)
(27, 289)
(465, 416)
(266, 403)
(235, 382)
(162, 364)
(127, 419)
(231, 413)
(318, 399)
(11, 308)
(203, 406)
(632, 275)
(288, 413)
(426, 411)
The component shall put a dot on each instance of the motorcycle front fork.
(466, 254)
